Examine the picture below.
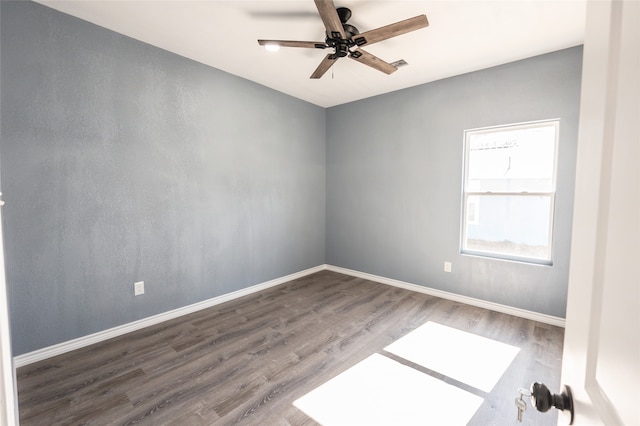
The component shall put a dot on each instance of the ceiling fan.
(346, 40)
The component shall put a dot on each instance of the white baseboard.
(70, 345)
(523, 313)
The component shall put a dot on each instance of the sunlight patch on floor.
(465, 357)
(381, 391)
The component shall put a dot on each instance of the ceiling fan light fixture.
(272, 47)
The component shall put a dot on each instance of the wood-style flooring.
(246, 361)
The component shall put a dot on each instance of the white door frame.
(604, 248)
(8, 398)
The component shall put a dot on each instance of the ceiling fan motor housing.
(350, 30)
(336, 41)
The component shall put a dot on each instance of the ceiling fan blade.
(291, 14)
(324, 66)
(367, 58)
(330, 18)
(392, 30)
(293, 43)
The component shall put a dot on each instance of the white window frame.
(466, 194)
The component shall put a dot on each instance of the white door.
(8, 410)
(601, 360)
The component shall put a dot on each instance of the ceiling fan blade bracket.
(321, 46)
(356, 54)
(360, 41)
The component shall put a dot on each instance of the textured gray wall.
(394, 179)
(123, 162)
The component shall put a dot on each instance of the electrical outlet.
(138, 288)
(447, 266)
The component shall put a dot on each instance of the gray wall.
(394, 179)
(123, 162)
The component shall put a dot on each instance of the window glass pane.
(511, 225)
(472, 210)
(516, 159)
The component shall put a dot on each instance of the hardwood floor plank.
(246, 361)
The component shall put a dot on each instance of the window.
(509, 191)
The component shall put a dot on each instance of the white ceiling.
(463, 36)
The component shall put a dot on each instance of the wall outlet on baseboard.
(138, 288)
(447, 266)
